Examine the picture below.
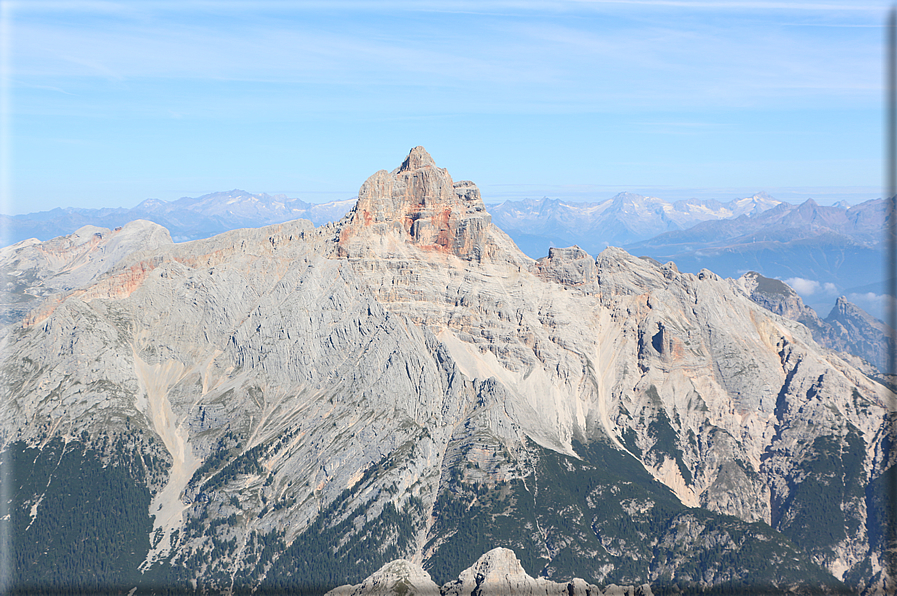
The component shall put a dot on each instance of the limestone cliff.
(405, 384)
(34, 270)
(847, 329)
(417, 203)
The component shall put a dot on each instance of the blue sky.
(109, 103)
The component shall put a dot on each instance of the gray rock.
(400, 578)
(848, 328)
(354, 369)
(499, 573)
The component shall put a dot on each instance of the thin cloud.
(591, 64)
(450, 5)
(746, 5)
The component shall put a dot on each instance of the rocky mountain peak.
(499, 573)
(399, 577)
(418, 158)
(843, 307)
(497, 563)
(568, 266)
(848, 328)
(496, 573)
(417, 203)
(807, 209)
(778, 297)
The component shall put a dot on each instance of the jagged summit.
(418, 158)
(286, 407)
(496, 573)
(397, 577)
(417, 203)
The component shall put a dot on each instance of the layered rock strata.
(406, 384)
(417, 203)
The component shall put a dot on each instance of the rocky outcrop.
(32, 271)
(848, 328)
(853, 330)
(396, 578)
(567, 266)
(417, 203)
(778, 297)
(496, 573)
(338, 397)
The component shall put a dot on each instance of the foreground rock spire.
(417, 203)
(496, 573)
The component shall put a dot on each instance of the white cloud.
(657, 59)
(804, 287)
(809, 287)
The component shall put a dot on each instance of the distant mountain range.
(534, 224)
(828, 250)
(623, 219)
(187, 218)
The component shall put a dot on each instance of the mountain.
(290, 408)
(854, 330)
(34, 270)
(861, 224)
(186, 219)
(496, 573)
(626, 218)
(819, 244)
(837, 245)
(623, 219)
(848, 328)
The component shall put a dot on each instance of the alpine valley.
(403, 400)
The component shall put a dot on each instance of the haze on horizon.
(106, 104)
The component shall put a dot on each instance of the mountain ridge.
(840, 247)
(495, 573)
(405, 383)
(187, 218)
(618, 221)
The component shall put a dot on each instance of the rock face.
(851, 329)
(567, 266)
(290, 408)
(499, 572)
(420, 204)
(396, 578)
(34, 270)
(848, 328)
(778, 297)
(496, 573)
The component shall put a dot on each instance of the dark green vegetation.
(766, 285)
(599, 516)
(315, 563)
(604, 518)
(811, 513)
(881, 496)
(340, 547)
(91, 525)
